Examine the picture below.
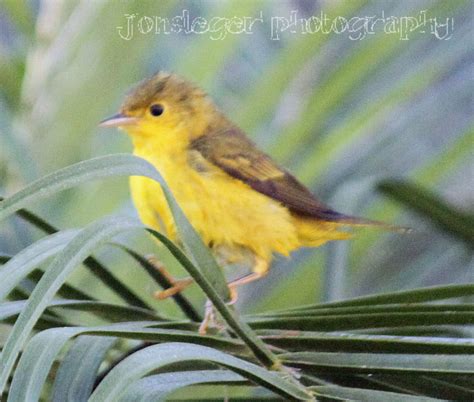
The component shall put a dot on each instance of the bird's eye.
(156, 109)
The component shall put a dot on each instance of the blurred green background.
(342, 114)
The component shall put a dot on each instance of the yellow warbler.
(244, 206)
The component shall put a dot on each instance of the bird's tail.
(315, 232)
(347, 220)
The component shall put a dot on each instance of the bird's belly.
(224, 211)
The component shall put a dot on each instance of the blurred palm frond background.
(343, 114)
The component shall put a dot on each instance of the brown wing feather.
(239, 157)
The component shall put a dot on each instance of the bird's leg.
(261, 269)
(177, 285)
(234, 296)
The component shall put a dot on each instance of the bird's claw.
(177, 285)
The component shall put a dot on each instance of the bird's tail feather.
(315, 232)
(347, 220)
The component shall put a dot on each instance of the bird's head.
(163, 107)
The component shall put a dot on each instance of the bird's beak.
(119, 120)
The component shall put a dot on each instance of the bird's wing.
(232, 151)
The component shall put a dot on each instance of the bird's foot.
(177, 285)
(210, 313)
(209, 318)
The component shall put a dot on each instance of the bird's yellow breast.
(224, 210)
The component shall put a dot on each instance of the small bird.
(245, 207)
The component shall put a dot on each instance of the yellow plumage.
(236, 197)
(225, 211)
